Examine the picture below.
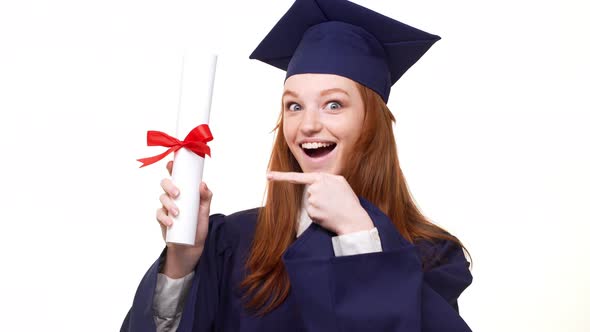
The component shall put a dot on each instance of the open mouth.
(317, 150)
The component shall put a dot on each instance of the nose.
(311, 122)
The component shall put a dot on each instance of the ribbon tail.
(151, 160)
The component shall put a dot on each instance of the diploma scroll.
(196, 89)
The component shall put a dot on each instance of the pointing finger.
(293, 177)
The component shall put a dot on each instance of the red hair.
(373, 173)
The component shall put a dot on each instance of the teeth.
(315, 145)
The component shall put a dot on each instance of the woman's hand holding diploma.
(182, 259)
(332, 203)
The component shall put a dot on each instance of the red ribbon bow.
(196, 141)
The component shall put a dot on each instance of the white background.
(492, 135)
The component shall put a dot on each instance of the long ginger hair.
(373, 172)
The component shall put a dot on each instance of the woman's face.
(322, 119)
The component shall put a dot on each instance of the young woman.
(339, 244)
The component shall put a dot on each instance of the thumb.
(169, 166)
(203, 216)
(206, 194)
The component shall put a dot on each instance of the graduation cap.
(343, 38)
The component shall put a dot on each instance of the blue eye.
(294, 107)
(334, 105)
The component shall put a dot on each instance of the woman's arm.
(382, 291)
(143, 314)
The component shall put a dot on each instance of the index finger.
(293, 177)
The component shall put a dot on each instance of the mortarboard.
(343, 38)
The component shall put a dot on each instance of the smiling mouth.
(319, 151)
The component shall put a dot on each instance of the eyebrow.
(329, 91)
(290, 93)
(323, 93)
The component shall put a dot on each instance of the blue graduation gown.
(405, 288)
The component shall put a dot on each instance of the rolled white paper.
(196, 89)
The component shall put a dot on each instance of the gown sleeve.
(141, 316)
(381, 291)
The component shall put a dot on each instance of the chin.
(328, 169)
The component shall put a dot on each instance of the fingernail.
(175, 193)
(175, 212)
